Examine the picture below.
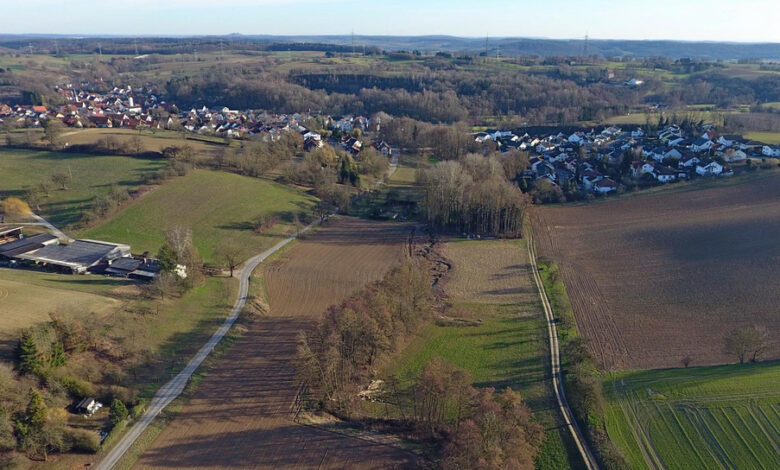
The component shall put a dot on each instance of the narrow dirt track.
(242, 414)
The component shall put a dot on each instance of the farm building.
(78, 257)
(19, 246)
(88, 406)
(10, 234)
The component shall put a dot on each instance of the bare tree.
(230, 254)
(748, 343)
(136, 145)
(686, 361)
(61, 179)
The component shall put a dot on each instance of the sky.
(692, 20)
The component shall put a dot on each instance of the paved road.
(173, 389)
(40, 221)
(555, 363)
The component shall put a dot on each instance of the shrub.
(82, 440)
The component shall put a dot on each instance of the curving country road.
(555, 363)
(171, 390)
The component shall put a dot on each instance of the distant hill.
(502, 46)
(554, 47)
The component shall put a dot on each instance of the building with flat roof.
(78, 257)
(20, 246)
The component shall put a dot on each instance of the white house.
(734, 155)
(575, 139)
(637, 133)
(605, 186)
(640, 168)
(701, 145)
(673, 153)
(768, 151)
(709, 168)
(665, 174)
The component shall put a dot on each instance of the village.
(599, 161)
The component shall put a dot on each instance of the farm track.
(171, 390)
(242, 415)
(555, 364)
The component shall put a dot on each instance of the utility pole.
(56, 48)
(353, 41)
(222, 50)
(487, 40)
(100, 50)
(31, 47)
(136, 46)
(585, 47)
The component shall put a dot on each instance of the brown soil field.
(242, 414)
(655, 279)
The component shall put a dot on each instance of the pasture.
(218, 207)
(772, 138)
(89, 176)
(700, 418)
(502, 340)
(657, 278)
(23, 305)
(242, 413)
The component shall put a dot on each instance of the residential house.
(709, 167)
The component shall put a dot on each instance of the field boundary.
(555, 363)
(171, 390)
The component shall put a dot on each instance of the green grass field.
(699, 418)
(772, 138)
(23, 305)
(215, 205)
(507, 349)
(92, 175)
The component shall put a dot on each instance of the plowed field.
(242, 413)
(654, 279)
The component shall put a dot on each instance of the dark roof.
(701, 141)
(124, 264)
(25, 245)
(80, 252)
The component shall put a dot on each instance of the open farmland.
(701, 418)
(151, 141)
(242, 413)
(655, 279)
(491, 285)
(215, 205)
(23, 305)
(92, 175)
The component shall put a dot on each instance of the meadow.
(505, 344)
(89, 176)
(697, 418)
(219, 207)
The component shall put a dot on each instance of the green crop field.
(698, 418)
(507, 347)
(217, 206)
(91, 175)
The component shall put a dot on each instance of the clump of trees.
(748, 344)
(473, 195)
(336, 358)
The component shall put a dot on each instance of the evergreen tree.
(118, 411)
(168, 258)
(58, 357)
(30, 360)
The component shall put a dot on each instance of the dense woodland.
(441, 88)
(474, 195)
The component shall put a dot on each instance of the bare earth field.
(242, 414)
(654, 279)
